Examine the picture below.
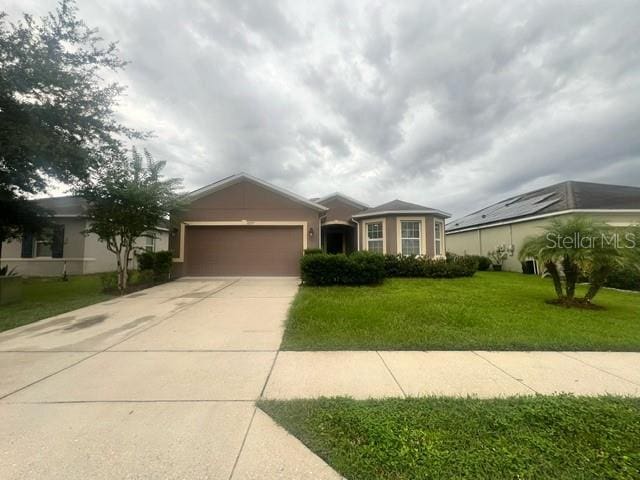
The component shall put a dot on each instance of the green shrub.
(312, 251)
(159, 263)
(624, 278)
(360, 268)
(484, 263)
(421, 266)
(109, 281)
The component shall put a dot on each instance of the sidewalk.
(483, 374)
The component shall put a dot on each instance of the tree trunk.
(552, 268)
(594, 288)
(121, 280)
(597, 279)
(125, 273)
(571, 272)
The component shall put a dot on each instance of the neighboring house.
(512, 220)
(242, 225)
(66, 247)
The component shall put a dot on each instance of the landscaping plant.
(575, 247)
(499, 255)
(127, 198)
(158, 263)
(57, 112)
(359, 268)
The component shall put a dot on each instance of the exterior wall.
(339, 210)
(102, 260)
(482, 241)
(82, 254)
(245, 202)
(392, 239)
(74, 254)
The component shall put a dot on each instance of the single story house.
(511, 221)
(242, 225)
(67, 247)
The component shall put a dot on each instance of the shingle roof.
(400, 206)
(570, 195)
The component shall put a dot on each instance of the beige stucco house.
(68, 247)
(242, 225)
(511, 221)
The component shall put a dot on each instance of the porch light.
(310, 232)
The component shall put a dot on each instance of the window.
(438, 230)
(149, 244)
(43, 247)
(375, 237)
(410, 237)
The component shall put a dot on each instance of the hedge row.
(624, 278)
(359, 268)
(452, 267)
(364, 268)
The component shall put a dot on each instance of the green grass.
(44, 297)
(492, 311)
(438, 438)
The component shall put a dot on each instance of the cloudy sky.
(449, 104)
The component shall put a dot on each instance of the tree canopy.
(57, 114)
(126, 199)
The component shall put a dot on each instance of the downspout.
(358, 244)
(320, 233)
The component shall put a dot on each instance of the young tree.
(126, 199)
(57, 115)
(569, 248)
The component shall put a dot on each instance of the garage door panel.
(243, 250)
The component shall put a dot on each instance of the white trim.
(350, 200)
(225, 182)
(337, 222)
(442, 236)
(404, 212)
(240, 223)
(620, 224)
(537, 217)
(365, 243)
(423, 233)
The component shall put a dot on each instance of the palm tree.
(570, 247)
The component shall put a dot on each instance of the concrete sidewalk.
(158, 384)
(163, 384)
(368, 374)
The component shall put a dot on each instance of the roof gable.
(344, 198)
(240, 177)
(400, 207)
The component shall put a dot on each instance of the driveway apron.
(157, 384)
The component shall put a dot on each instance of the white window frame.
(384, 234)
(423, 237)
(442, 253)
(38, 240)
(149, 241)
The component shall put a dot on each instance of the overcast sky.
(449, 104)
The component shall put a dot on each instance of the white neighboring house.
(68, 247)
(511, 221)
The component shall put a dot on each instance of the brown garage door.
(243, 250)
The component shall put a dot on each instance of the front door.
(335, 242)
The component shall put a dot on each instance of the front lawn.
(436, 438)
(44, 297)
(490, 311)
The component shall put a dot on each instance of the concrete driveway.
(158, 384)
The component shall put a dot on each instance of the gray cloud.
(448, 104)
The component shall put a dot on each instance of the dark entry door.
(335, 242)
